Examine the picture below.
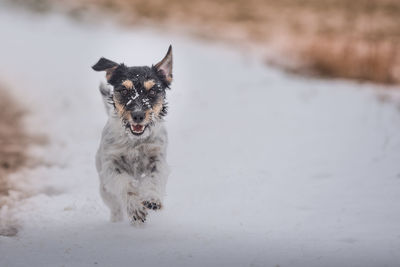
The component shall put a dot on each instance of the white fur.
(132, 169)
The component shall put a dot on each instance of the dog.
(131, 159)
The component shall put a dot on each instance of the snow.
(267, 168)
(136, 95)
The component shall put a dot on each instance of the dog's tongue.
(137, 128)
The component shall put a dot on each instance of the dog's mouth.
(137, 129)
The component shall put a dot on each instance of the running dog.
(131, 159)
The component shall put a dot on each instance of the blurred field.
(13, 144)
(13, 141)
(356, 39)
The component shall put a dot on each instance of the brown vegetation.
(356, 39)
(13, 143)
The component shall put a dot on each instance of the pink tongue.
(137, 128)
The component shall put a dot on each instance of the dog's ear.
(105, 65)
(165, 66)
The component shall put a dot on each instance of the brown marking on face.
(128, 116)
(148, 115)
(158, 107)
(122, 112)
(155, 110)
(119, 107)
(128, 84)
(169, 79)
(149, 84)
(109, 72)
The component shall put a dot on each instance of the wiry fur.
(132, 168)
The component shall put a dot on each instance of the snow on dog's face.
(139, 92)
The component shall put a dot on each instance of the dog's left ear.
(105, 65)
(165, 66)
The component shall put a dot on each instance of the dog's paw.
(137, 214)
(152, 205)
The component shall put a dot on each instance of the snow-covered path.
(267, 169)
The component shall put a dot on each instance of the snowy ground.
(267, 169)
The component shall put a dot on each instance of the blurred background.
(336, 38)
(283, 131)
(356, 40)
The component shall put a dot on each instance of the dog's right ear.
(105, 65)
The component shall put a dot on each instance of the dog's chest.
(138, 161)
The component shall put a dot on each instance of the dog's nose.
(138, 116)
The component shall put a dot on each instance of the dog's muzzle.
(138, 117)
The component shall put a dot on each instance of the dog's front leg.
(153, 181)
(134, 207)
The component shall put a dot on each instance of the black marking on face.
(128, 101)
(139, 97)
(139, 89)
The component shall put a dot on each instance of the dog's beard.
(135, 131)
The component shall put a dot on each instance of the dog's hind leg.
(113, 203)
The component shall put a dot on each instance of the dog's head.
(139, 92)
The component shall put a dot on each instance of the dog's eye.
(124, 92)
(152, 93)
